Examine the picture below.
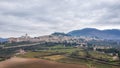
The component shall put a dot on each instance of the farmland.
(71, 55)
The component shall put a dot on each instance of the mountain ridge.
(93, 32)
(3, 40)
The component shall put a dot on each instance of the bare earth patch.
(35, 63)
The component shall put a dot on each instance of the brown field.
(35, 63)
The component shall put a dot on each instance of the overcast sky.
(42, 17)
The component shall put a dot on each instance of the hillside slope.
(113, 34)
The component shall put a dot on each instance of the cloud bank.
(41, 17)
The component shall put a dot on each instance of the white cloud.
(39, 17)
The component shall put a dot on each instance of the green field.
(63, 54)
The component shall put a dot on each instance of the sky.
(43, 17)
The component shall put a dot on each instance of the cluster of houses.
(19, 39)
(101, 47)
(20, 51)
(47, 38)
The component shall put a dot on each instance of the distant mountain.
(3, 39)
(59, 34)
(113, 34)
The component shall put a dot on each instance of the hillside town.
(50, 38)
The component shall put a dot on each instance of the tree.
(75, 53)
